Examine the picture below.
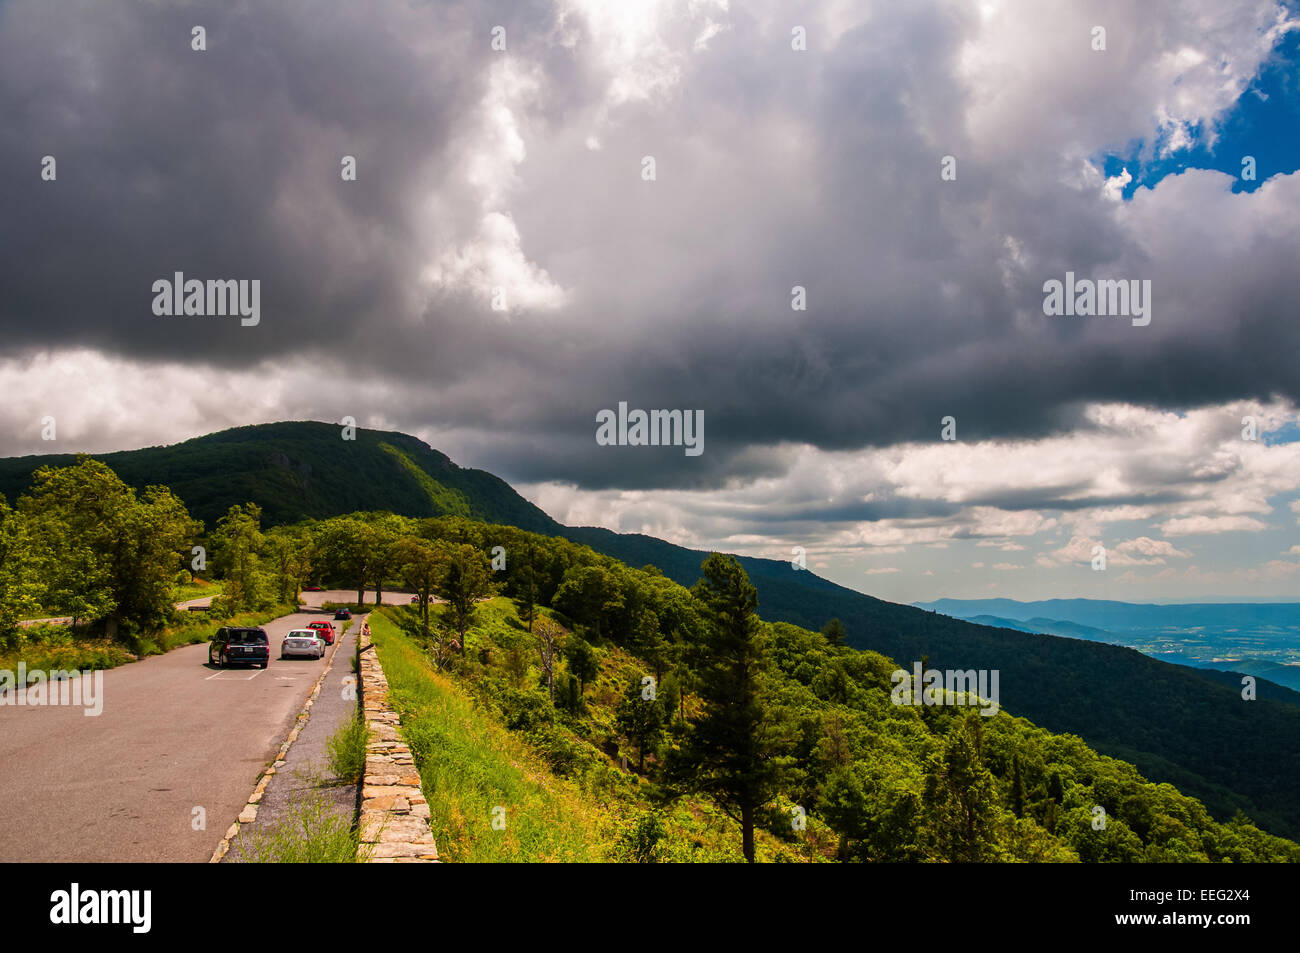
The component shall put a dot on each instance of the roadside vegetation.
(82, 544)
(356, 608)
(346, 750)
(313, 834)
(475, 772)
(55, 647)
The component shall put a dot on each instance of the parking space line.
(217, 675)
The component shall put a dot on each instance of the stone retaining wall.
(394, 813)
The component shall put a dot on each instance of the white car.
(304, 642)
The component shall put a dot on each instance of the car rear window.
(248, 638)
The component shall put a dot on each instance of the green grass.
(196, 589)
(470, 765)
(314, 835)
(346, 750)
(55, 647)
(444, 499)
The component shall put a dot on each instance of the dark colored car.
(343, 614)
(238, 646)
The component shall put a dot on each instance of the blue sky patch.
(1264, 123)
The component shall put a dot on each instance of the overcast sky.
(520, 173)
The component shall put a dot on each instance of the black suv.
(232, 646)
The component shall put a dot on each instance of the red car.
(326, 630)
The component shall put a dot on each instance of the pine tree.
(731, 753)
(962, 795)
(1055, 789)
(641, 719)
(1017, 787)
(583, 663)
(835, 632)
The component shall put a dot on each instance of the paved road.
(174, 734)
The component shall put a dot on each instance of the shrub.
(347, 750)
(639, 844)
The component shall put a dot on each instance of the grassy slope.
(470, 763)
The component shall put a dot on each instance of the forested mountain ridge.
(1174, 724)
(305, 470)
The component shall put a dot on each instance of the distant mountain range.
(1259, 639)
(1118, 616)
(1185, 726)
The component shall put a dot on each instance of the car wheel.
(265, 664)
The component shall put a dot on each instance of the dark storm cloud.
(818, 169)
(221, 163)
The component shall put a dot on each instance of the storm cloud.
(516, 175)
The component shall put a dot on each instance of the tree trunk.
(747, 832)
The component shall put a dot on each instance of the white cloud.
(1113, 190)
(1195, 525)
(494, 258)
